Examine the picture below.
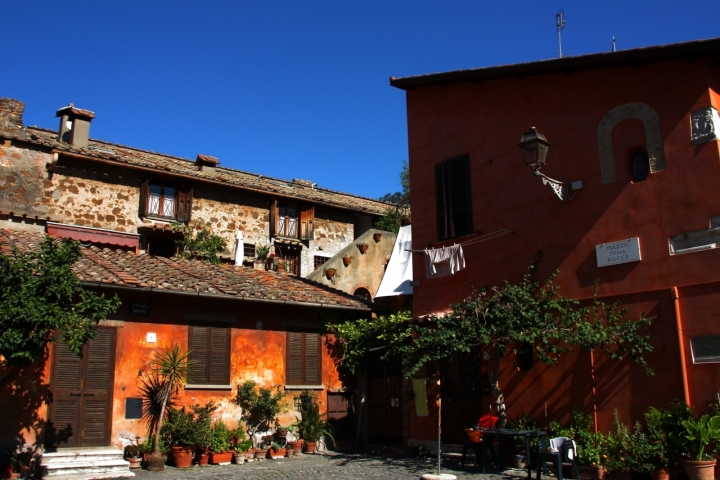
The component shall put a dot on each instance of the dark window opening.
(209, 355)
(320, 261)
(454, 200)
(249, 250)
(362, 293)
(304, 366)
(640, 166)
(133, 408)
(706, 349)
(290, 254)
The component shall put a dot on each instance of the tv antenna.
(614, 46)
(560, 24)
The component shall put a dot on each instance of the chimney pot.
(74, 125)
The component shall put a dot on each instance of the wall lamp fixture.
(534, 148)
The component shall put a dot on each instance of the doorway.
(82, 392)
(461, 392)
(385, 392)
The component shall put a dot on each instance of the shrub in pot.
(180, 433)
(276, 451)
(313, 426)
(260, 407)
(220, 447)
(697, 439)
(658, 453)
(132, 454)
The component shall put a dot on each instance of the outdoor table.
(502, 433)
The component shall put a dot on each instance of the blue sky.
(292, 89)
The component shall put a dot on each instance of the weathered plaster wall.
(485, 121)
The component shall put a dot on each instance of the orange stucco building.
(633, 139)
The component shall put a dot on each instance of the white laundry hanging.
(441, 262)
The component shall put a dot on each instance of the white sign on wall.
(614, 253)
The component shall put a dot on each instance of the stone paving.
(332, 465)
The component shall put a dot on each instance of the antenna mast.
(614, 47)
(560, 24)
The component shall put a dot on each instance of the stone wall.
(92, 194)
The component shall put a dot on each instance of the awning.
(93, 235)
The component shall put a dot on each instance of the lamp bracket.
(560, 188)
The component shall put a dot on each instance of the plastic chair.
(473, 438)
(562, 451)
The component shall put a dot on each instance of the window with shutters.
(454, 200)
(706, 349)
(291, 220)
(303, 365)
(165, 199)
(209, 356)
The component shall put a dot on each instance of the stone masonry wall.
(91, 194)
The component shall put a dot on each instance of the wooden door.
(461, 393)
(82, 392)
(385, 401)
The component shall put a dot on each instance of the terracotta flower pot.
(347, 260)
(329, 273)
(182, 457)
(296, 447)
(363, 248)
(250, 454)
(289, 452)
(377, 236)
(135, 462)
(260, 453)
(276, 454)
(661, 474)
(203, 458)
(309, 447)
(223, 458)
(239, 458)
(700, 470)
(156, 463)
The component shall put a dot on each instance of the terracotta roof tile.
(136, 158)
(104, 266)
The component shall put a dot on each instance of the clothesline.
(482, 238)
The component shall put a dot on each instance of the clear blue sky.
(293, 89)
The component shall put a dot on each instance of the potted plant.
(377, 237)
(220, 453)
(133, 455)
(313, 427)
(329, 273)
(276, 451)
(261, 451)
(260, 407)
(241, 447)
(347, 260)
(658, 449)
(169, 372)
(592, 455)
(179, 432)
(698, 437)
(362, 247)
(203, 431)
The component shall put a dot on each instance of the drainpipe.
(594, 397)
(683, 366)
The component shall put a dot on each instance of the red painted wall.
(486, 122)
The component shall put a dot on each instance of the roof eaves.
(632, 57)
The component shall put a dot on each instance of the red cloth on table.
(486, 421)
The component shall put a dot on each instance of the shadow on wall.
(22, 399)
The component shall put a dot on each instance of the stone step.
(70, 457)
(83, 467)
(94, 476)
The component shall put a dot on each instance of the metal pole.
(439, 425)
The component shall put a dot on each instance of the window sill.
(207, 387)
(304, 387)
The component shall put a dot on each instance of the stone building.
(117, 195)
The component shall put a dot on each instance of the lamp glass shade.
(534, 148)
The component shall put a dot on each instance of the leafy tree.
(260, 406)
(391, 220)
(40, 295)
(526, 315)
(199, 242)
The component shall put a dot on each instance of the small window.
(165, 199)
(209, 355)
(291, 221)
(304, 366)
(320, 261)
(706, 349)
(640, 166)
(249, 250)
(454, 200)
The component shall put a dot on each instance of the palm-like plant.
(312, 425)
(170, 367)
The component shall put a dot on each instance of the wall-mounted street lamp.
(534, 147)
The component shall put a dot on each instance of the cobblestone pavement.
(330, 465)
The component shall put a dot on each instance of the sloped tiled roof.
(106, 267)
(135, 158)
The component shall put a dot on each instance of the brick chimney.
(206, 163)
(74, 125)
(11, 114)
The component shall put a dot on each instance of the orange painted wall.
(486, 122)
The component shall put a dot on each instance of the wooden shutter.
(440, 201)
(66, 404)
(294, 367)
(273, 217)
(198, 368)
(312, 359)
(96, 406)
(457, 181)
(307, 215)
(144, 195)
(219, 363)
(184, 204)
